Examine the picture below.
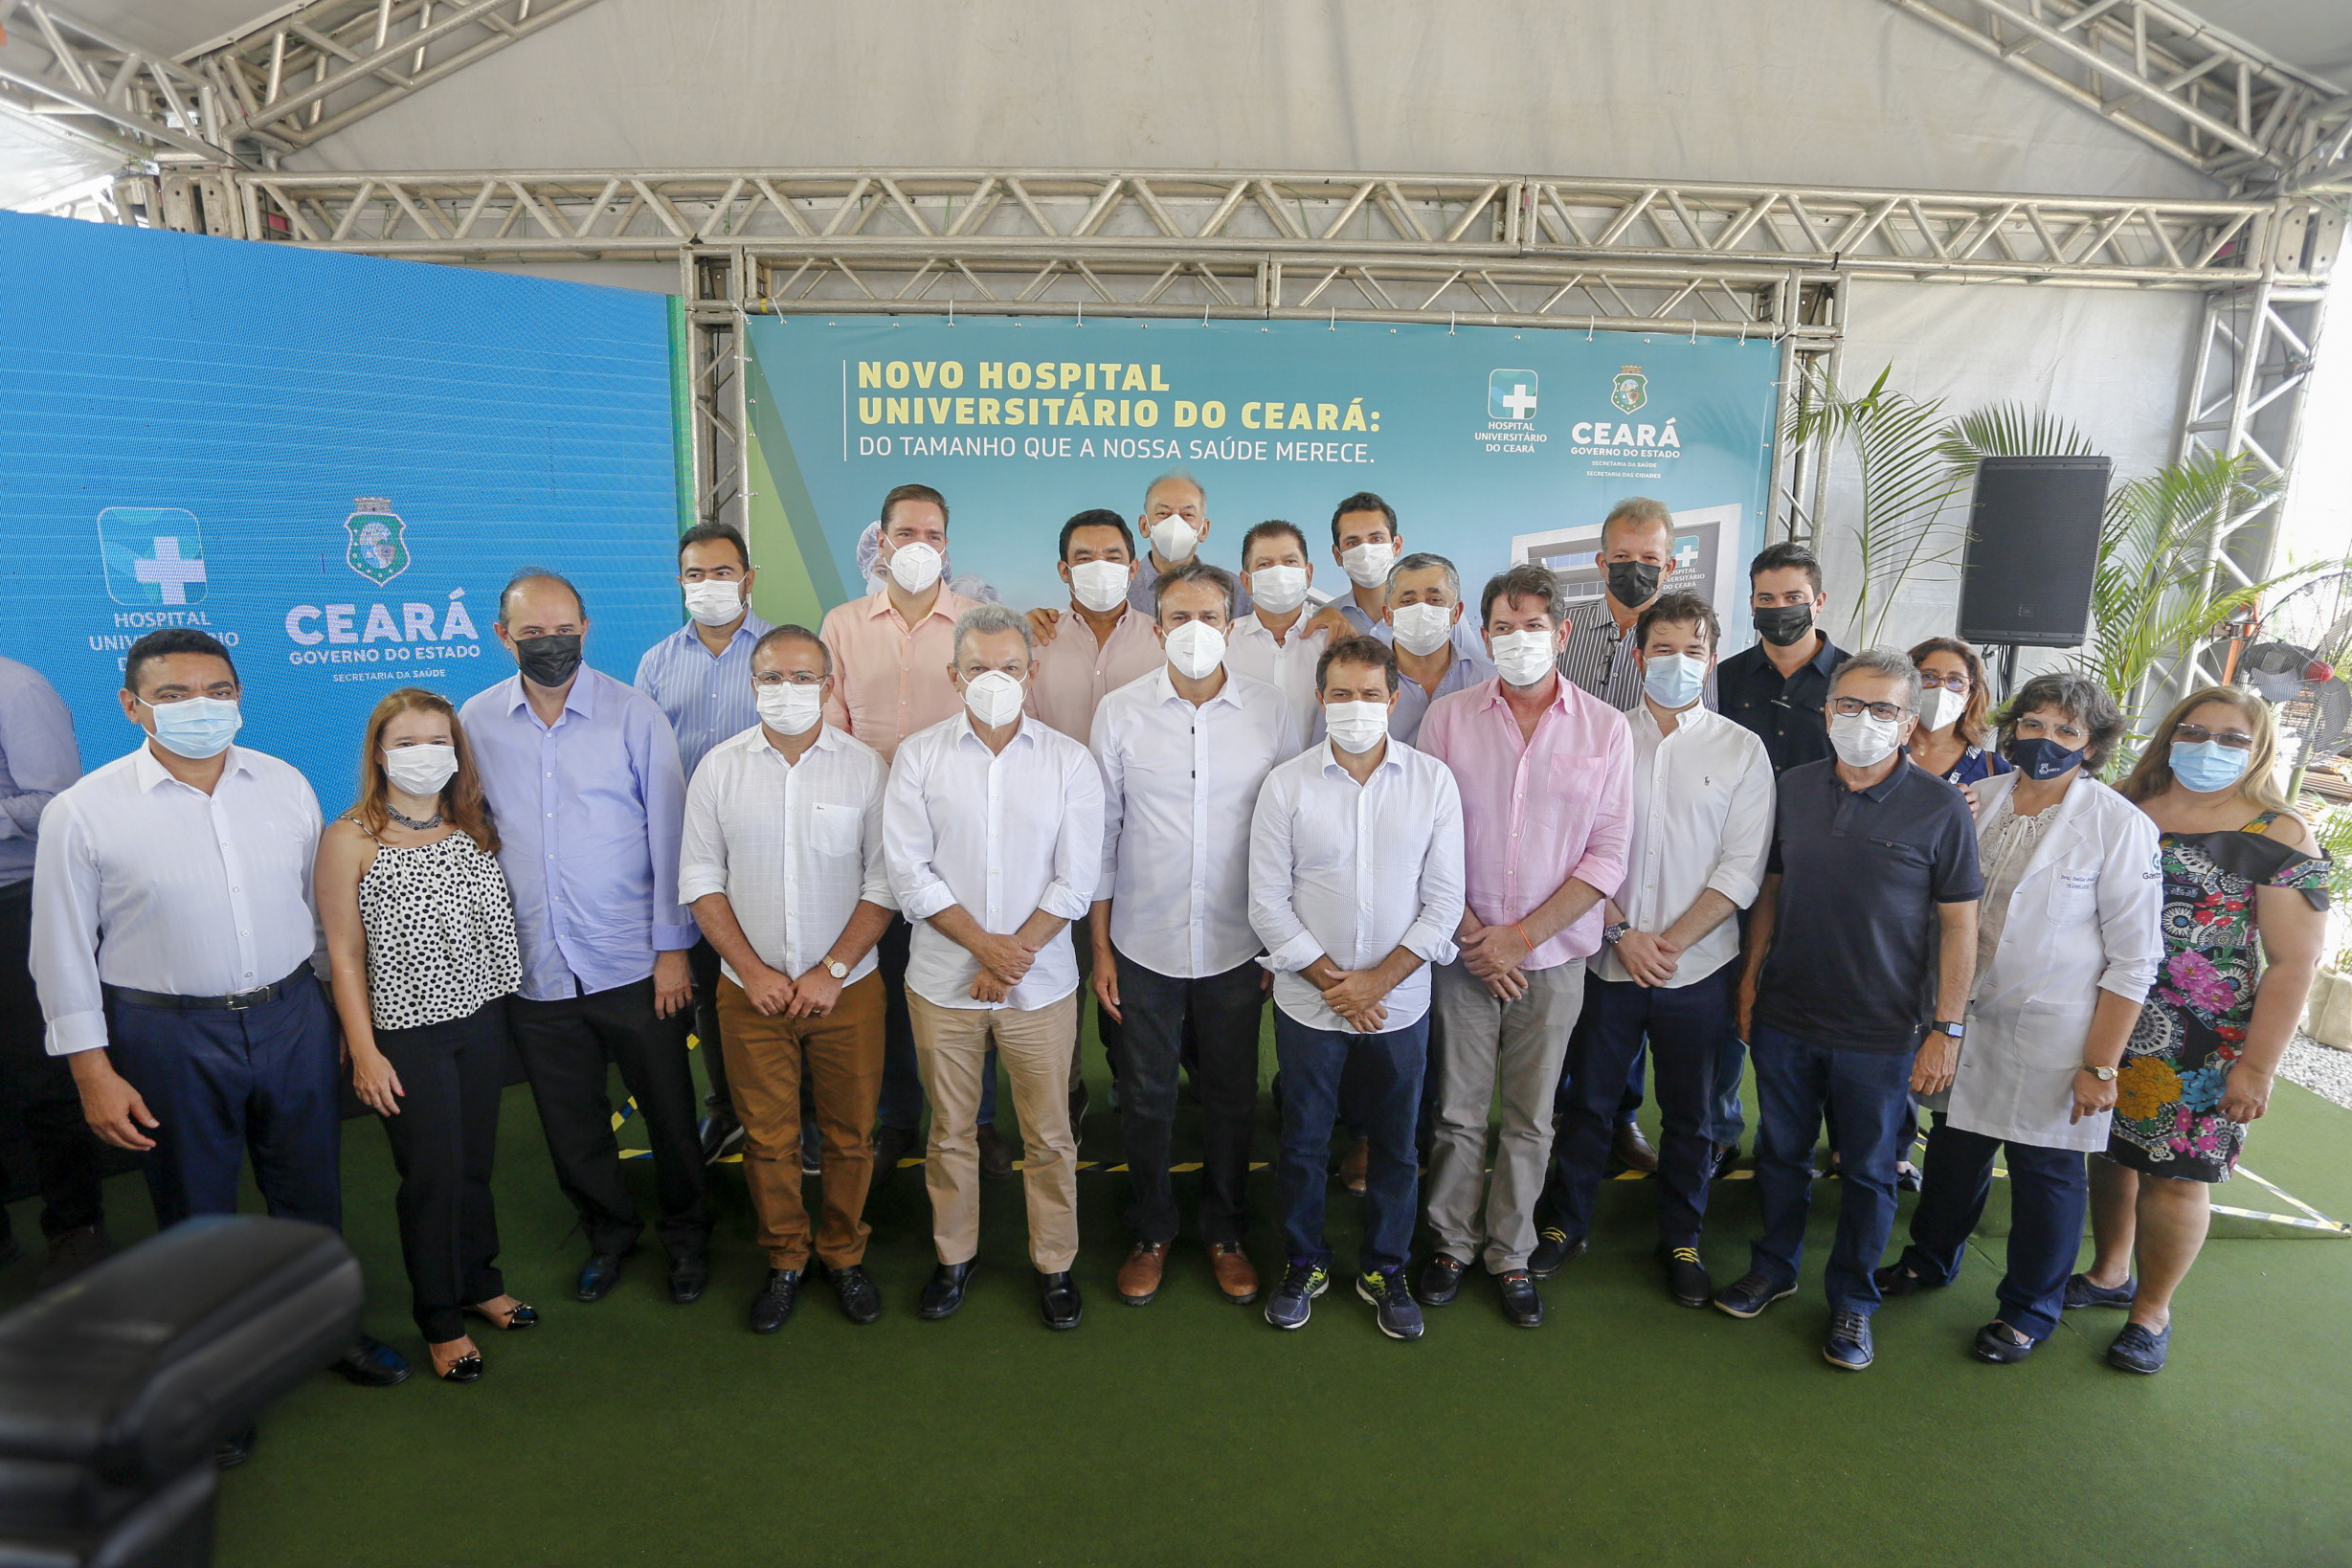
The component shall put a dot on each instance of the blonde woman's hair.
(2152, 776)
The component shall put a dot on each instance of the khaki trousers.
(951, 1049)
(843, 1052)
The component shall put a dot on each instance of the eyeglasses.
(1957, 684)
(1845, 708)
(2073, 735)
(777, 677)
(2196, 734)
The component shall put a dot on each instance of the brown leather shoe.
(1236, 1276)
(1140, 1276)
(1633, 1150)
(1352, 1167)
(995, 1159)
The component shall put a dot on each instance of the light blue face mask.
(195, 728)
(2207, 767)
(1675, 680)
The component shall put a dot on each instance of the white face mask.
(789, 709)
(915, 567)
(1368, 563)
(995, 698)
(1174, 539)
(1100, 586)
(420, 771)
(1939, 707)
(1277, 590)
(1522, 659)
(1355, 728)
(1196, 648)
(1861, 741)
(1422, 628)
(714, 601)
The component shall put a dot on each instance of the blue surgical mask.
(195, 728)
(2207, 767)
(1675, 680)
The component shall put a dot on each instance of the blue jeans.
(902, 1087)
(1869, 1091)
(2049, 1190)
(1384, 1085)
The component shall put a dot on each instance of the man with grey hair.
(1438, 649)
(1860, 953)
(1635, 558)
(992, 835)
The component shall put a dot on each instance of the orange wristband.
(1520, 926)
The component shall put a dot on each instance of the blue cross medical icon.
(1510, 394)
(152, 555)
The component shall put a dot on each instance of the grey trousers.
(1519, 1046)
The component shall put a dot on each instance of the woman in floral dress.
(2244, 883)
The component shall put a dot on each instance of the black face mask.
(549, 661)
(2039, 758)
(1632, 584)
(1784, 624)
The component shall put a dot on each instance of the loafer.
(1896, 1279)
(891, 1146)
(1236, 1276)
(234, 1448)
(1631, 1151)
(1140, 1276)
(1440, 1280)
(1750, 1294)
(690, 1278)
(2081, 1292)
(772, 1307)
(1725, 1161)
(1522, 1301)
(996, 1159)
(2140, 1349)
(1057, 1300)
(371, 1363)
(1686, 1277)
(2001, 1345)
(1356, 1165)
(859, 1297)
(945, 1293)
(73, 1252)
(1554, 1249)
(1848, 1346)
(1294, 1300)
(598, 1279)
(1393, 1307)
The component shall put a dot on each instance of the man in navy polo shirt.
(1861, 951)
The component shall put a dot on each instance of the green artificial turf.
(1626, 1430)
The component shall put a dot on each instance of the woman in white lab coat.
(2068, 945)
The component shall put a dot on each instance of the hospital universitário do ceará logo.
(378, 551)
(151, 556)
(1510, 394)
(1629, 390)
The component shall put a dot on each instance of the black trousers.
(564, 1046)
(443, 1144)
(702, 961)
(40, 1110)
(1224, 1011)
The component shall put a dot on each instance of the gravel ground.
(2319, 1068)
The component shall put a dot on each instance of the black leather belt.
(236, 1002)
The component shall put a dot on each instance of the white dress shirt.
(1702, 817)
(1003, 834)
(148, 883)
(795, 846)
(1356, 872)
(1287, 667)
(1177, 783)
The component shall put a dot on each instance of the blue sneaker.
(1394, 1310)
(1750, 1294)
(2140, 1349)
(1848, 1346)
(1294, 1301)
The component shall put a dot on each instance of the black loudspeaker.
(2033, 539)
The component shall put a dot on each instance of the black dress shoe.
(946, 1290)
(1440, 1280)
(1057, 1300)
(1725, 1161)
(1686, 1277)
(598, 1279)
(1895, 1280)
(236, 1448)
(860, 1301)
(371, 1363)
(1555, 1247)
(892, 1145)
(772, 1307)
(722, 1134)
(1522, 1303)
(690, 1278)
(2001, 1345)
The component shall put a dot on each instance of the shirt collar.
(754, 741)
(149, 773)
(950, 604)
(969, 731)
(752, 627)
(1389, 759)
(1885, 787)
(579, 698)
(1827, 658)
(1494, 697)
(1164, 689)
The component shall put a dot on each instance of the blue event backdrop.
(330, 462)
(1493, 444)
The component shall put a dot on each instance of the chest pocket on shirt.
(2074, 896)
(1566, 793)
(834, 830)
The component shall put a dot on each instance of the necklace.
(412, 823)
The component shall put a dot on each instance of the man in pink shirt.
(1545, 772)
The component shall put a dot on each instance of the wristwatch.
(1611, 934)
(1940, 1027)
(2105, 1075)
(837, 968)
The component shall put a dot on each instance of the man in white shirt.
(993, 830)
(1701, 828)
(1356, 887)
(172, 934)
(781, 863)
(1183, 751)
(1275, 643)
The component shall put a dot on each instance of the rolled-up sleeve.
(1738, 874)
(907, 842)
(1078, 842)
(1602, 864)
(64, 958)
(1273, 913)
(874, 884)
(1430, 937)
(701, 854)
(2130, 905)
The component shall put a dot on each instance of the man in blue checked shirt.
(700, 677)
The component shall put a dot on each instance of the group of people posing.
(1474, 847)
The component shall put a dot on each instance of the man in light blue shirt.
(700, 677)
(583, 775)
(1437, 653)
